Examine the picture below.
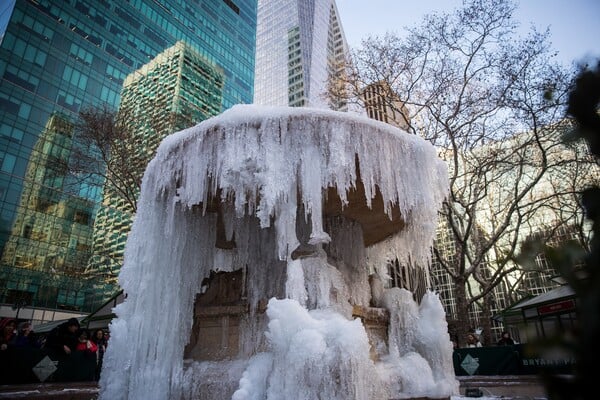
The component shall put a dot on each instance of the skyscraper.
(173, 91)
(55, 59)
(300, 43)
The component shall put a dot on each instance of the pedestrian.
(454, 340)
(85, 356)
(26, 337)
(99, 338)
(64, 338)
(7, 332)
(473, 340)
(505, 339)
(84, 344)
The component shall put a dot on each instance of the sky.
(574, 24)
(6, 7)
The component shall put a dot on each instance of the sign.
(44, 368)
(470, 364)
(507, 360)
(564, 305)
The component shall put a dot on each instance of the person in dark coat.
(505, 339)
(64, 338)
(26, 337)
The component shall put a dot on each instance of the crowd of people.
(472, 340)
(62, 341)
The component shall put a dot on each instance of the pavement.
(51, 391)
(515, 387)
(521, 387)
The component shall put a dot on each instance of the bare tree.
(490, 100)
(104, 152)
(111, 148)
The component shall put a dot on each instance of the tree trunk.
(462, 311)
(486, 316)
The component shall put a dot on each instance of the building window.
(232, 5)
(14, 134)
(68, 101)
(8, 163)
(75, 77)
(82, 217)
(81, 54)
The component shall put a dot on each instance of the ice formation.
(268, 221)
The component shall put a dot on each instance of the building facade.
(56, 58)
(382, 104)
(300, 43)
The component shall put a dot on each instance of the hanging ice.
(295, 204)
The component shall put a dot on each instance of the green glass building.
(177, 89)
(56, 58)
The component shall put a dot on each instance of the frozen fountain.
(256, 265)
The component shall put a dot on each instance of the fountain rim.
(255, 115)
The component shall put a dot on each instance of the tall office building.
(176, 90)
(51, 232)
(57, 58)
(300, 43)
(382, 104)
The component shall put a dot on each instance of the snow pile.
(268, 169)
(316, 354)
(321, 354)
(419, 363)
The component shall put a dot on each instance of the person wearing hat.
(64, 338)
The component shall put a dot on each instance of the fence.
(30, 365)
(26, 365)
(519, 359)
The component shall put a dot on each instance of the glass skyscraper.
(56, 58)
(300, 43)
